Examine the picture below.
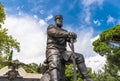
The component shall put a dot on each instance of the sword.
(71, 45)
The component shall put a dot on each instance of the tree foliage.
(2, 13)
(108, 44)
(7, 42)
(70, 73)
(103, 44)
(32, 68)
(110, 73)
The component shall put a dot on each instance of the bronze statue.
(57, 55)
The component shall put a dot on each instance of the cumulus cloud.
(31, 35)
(85, 16)
(88, 16)
(84, 44)
(88, 5)
(49, 17)
(93, 60)
(85, 47)
(96, 62)
(35, 16)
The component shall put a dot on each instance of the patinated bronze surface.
(57, 55)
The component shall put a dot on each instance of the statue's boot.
(83, 70)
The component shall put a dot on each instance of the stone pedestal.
(23, 75)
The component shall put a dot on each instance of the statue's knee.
(54, 64)
(80, 58)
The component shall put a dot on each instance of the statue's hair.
(58, 17)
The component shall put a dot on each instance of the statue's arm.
(55, 32)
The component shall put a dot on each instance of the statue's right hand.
(72, 35)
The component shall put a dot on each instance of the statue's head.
(58, 20)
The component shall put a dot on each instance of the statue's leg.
(67, 55)
(54, 75)
(82, 67)
(54, 68)
(62, 72)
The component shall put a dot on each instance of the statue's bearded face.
(59, 22)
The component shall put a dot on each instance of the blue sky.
(75, 12)
(27, 21)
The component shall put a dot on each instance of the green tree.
(70, 75)
(7, 43)
(2, 13)
(32, 68)
(108, 44)
(105, 44)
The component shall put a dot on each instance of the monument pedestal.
(7, 74)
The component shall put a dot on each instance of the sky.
(27, 21)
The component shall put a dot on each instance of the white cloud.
(19, 13)
(88, 3)
(96, 62)
(35, 16)
(84, 43)
(88, 16)
(85, 16)
(97, 22)
(42, 23)
(95, 38)
(49, 17)
(111, 20)
(31, 35)
(85, 47)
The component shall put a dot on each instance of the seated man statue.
(57, 55)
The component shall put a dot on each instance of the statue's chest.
(61, 41)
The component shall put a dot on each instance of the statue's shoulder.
(51, 25)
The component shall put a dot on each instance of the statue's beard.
(59, 25)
